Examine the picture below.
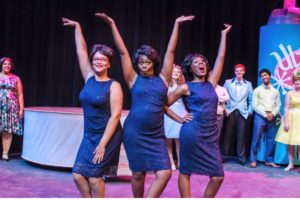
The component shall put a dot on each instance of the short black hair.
(264, 70)
(149, 52)
(104, 50)
(187, 62)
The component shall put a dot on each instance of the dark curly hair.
(104, 50)
(2, 60)
(264, 70)
(150, 53)
(187, 62)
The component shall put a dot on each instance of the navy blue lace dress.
(144, 138)
(199, 149)
(95, 100)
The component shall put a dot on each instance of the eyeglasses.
(104, 60)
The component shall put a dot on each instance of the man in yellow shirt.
(266, 104)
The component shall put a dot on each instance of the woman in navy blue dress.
(101, 99)
(199, 149)
(144, 138)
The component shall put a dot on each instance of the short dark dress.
(199, 149)
(95, 100)
(144, 138)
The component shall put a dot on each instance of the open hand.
(187, 118)
(68, 22)
(21, 113)
(226, 29)
(184, 18)
(98, 154)
(270, 116)
(286, 127)
(105, 18)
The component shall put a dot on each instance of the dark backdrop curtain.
(43, 49)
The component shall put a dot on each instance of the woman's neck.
(239, 79)
(101, 77)
(199, 79)
(174, 82)
(147, 74)
(173, 85)
(5, 74)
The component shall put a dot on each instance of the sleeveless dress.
(172, 128)
(10, 120)
(144, 136)
(95, 100)
(199, 149)
(292, 137)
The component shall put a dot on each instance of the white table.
(52, 136)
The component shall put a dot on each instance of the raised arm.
(116, 102)
(218, 66)
(286, 111)
(168, 62)
(20, 97)
(128, 70)
(81, 48)
(182, 90)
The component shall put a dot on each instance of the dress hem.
(202, 173)
(151, 170)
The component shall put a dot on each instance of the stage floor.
(21, 179)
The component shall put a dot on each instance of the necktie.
(238, 83)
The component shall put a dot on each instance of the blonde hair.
(296, 74)
(181, 79)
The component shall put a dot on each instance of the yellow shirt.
(266, 98)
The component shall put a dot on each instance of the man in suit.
(238, 109)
